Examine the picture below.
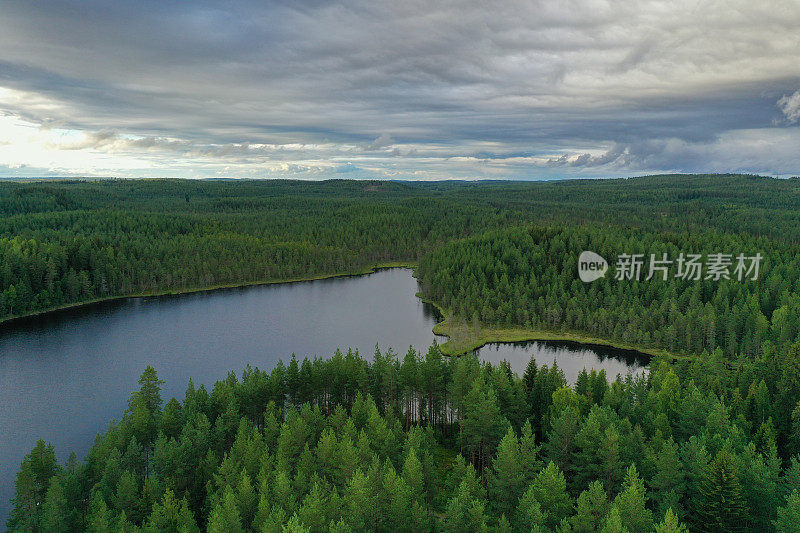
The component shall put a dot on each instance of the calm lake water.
(64, 376)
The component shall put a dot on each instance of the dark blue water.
(65, 375)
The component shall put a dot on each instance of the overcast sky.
(400, 89)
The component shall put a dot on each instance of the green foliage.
(225, 515)
(54, 513)
(232, 460)
(722, 507)
(171, 516)
(789, 515)
(549, 489)
(632, 504)
(592, 508)
(508, 478)
(32, 486)
(671, 524)
(527, 277)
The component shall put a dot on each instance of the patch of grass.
(464, 337)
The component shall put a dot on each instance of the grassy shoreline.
(191, 290)
(463, 339)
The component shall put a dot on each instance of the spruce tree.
(506, 481)
(631, 504)
(721, 507)
(671, 524)
(789, 515)
(592, 508)
(54, 513)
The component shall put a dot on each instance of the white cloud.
(790, 106)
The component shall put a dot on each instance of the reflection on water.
(65, 375)
(571, 357)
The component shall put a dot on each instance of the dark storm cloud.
(407, 89)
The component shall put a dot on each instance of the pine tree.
(414, 476)
(483, 424)
(313, 510)
(246, 499)
(560, 443)
(360, 502)
(667, 484)
(127, 496)
(613, 522)
(671, 524)
(224, 517)
(528, 455)
(721, 507)
(339, 527)
(529, 513)
(54, 513)
(32, 483)
(506, 482)
(464, 513)
(172, 419)
(789, 515)
(149, 393)
(171, 516)
(98, 519)
(592, 508)
(294, 525)
(631, 504)
(550, 491)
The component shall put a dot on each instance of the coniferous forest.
(707, 440)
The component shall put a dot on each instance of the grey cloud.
(383, 141)
(414, 88)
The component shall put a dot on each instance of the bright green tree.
(550, 491)
(506, 481)
(171, 516)
(32, 483)
(631, 504)
(671, 524)
(592, 508)
(483, 425)
(224, 517)
(464, 512)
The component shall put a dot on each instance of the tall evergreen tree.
(506, 482)
(721, 507)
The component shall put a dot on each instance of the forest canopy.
(708, 439)
(66, 242)
(428, 443)
(527, 276)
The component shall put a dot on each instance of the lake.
(65, 375)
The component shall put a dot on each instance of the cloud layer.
(411, 90)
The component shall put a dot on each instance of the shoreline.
(192, 290)
(455, 346)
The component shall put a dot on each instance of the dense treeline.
(527, 277)
(52, 258)
(424, 442)
(68, 242)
